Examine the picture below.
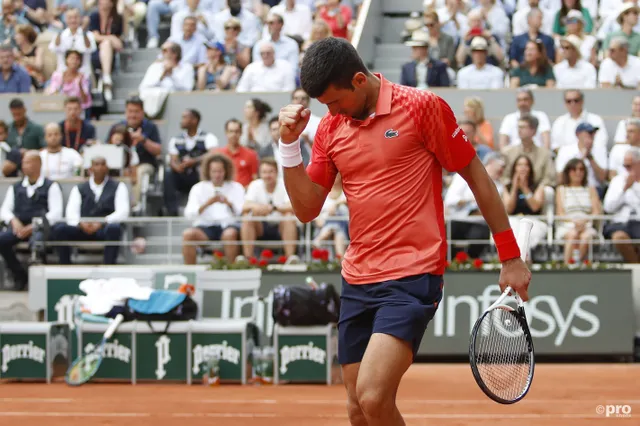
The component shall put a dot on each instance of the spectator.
(337, 15)
(477, 29)
(522, 198)
(236, 53)
(191, 43)
(76, 132)
(28, 55)
(594, 157)
(297, 17)
(203, 21)
(107, 27)
(216, 74)
(170, 73)
(32, 197)
(267, 198)
(145, 138)
(563, 131)
(621, 130)
(14, 79)
(623, 202)
(9, 22)
(300, 97)
(627, 19)
(616, 156)
(454, 19)
(61, 8)
(423, 71)
(74, 38)
(71, 82)
(286, 48)
(521, 19)
(574, 72)
(155, 10)
(559, 26)
(532, 33)
(609, 17)
(271, 149)
(99, 197)
(58, 162)
(460, 205)
(536, 68)
(319, 31)
(470, 130)
(576, 199)
(474, 112)
(587, 47)
(187, 151)
(508, 132)
(620, 69)
(268, 75)
(13, 156)
(335, 205)
(249, 22)
(34, 11)
(214, 203)
(442, 46)
(495, 17)
(480, 74)
(120, 137)
(245, 160)
(23, 133)
(540, 157)
(255, 132)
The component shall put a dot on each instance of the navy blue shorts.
(401, 308)
(214, 233)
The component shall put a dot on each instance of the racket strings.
(502, 354)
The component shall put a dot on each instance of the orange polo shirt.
(391, 167)
(245, 161)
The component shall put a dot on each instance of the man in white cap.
(610, 19)
(480, 74)
(627, 19)
(423, 72)
(574, 72)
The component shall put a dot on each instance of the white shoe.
(293, 260)
(108, 94)
(240, 258)
(152, 43)
(106, 80)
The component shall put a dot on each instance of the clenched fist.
(293, 120)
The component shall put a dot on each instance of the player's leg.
(189, 249)
(250, 231)
(354, 331)
(405, 307)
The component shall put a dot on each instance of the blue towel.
(160, 302)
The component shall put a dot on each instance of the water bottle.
(576, 256)
(312, 283)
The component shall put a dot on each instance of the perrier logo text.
(221, 351)
(289, 354)
(23, 351)
(113, 350)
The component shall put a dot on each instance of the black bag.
(306, 306)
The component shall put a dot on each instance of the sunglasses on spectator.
(573, 20)
(573, 100)
(429, 24)
(578, 169)
(566, 46)
(627, 166)
(231, 27)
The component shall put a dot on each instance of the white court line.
(68, 414)
(243, 401)
(415, 401)
(44, 400)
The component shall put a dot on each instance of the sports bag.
(306, 306)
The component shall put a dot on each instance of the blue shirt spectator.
(14, 78)
(519, 42)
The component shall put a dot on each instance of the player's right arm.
(307, 197)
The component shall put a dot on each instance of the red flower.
(462, 257)
(478, 263)
(316, 254)
(253, 260)
(338, 256)
(263, 263)
(282, 259)
(586, 262)
(218, 254)
(571, 261)
(266, 254)
(447, 264)
(324, 255)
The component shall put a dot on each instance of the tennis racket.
(501, 347)
(85, 367)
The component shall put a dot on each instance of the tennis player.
(389, 143)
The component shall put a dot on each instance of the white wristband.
(290, 153)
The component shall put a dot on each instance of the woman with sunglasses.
(235, 53)
(560, 25)
(536, 68)
(576, 199)
(575, 25)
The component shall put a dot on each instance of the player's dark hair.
(331, 61)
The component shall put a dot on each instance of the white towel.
(102, 295)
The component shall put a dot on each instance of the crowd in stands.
(570, 166)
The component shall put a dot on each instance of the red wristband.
(507, 245)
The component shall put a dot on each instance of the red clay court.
(431, 394)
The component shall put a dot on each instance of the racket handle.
(524, 232)
(112, 327)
